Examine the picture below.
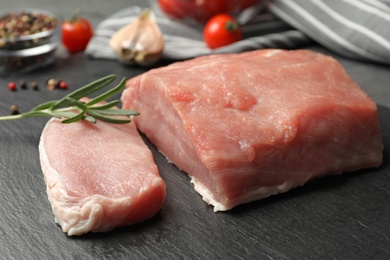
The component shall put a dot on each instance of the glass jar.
(23, 53)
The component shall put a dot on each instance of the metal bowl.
(25, 43)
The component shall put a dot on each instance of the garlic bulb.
(140, 42)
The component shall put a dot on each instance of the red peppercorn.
(63, 85)
(12, 86)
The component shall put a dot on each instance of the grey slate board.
(339, 217)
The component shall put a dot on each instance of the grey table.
(338, 217)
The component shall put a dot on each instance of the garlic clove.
(139, 42)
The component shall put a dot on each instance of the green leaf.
(108, 94)
(75, 118)
(90, 119)
(39, 113)
(107, 105)
(85, 91)
(77, 103)
(42, 106)
(116, 112)
(108, 119)
(63, 114)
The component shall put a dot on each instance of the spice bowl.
(28, 40)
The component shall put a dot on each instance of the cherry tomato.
(203, 10)
(207, 9)
(175, 9)
(221, 30)
(76, 34)
(200, 11)
(247, 3)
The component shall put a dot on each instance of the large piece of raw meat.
(246, 126)
(99, 176)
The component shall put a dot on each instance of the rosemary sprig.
(70, 109)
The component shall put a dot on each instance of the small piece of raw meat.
(99, 176)
(246, 126)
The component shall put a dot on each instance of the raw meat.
(99, 176)
(246, 126)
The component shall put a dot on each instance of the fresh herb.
(71, 109)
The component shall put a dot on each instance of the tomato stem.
(232, 26)
(75, 15)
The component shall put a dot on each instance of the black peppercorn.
(34, 85)
(22, 84)
(14, 110)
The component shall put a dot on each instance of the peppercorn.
(14, 110)
(34, 85)
(51, 84)
(22, 84)
(12, 86)
(58, 83)
(63, 85)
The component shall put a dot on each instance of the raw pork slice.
(99, 176)
(246, 126)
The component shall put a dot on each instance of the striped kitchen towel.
(358, 29)
(183, 41)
